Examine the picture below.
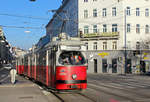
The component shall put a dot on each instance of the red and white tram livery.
(60, 65)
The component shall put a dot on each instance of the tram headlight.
(74, 76)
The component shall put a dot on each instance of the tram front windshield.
(71, 58)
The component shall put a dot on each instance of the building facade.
(5, 53)
(112, 29)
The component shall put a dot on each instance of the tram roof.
(65, 42)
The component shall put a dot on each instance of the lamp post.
(125, 43)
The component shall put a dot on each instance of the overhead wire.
(23, 16)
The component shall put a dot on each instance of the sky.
(17, 15)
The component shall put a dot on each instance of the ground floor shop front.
(114, 62)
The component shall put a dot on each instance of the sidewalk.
(23, 91)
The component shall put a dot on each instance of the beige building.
(107, 26)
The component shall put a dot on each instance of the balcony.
(105, 35)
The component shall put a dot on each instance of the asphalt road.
(118, 88)
(101, 88)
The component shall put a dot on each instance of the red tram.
(59, 65)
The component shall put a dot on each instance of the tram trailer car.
(19, 65)
(60, 65)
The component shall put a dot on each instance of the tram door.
(104, 65)
(52, 65)
(95, 65)
(114, 65)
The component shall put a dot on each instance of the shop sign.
(146, 58)
(103, 54)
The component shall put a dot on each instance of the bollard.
(13, 75)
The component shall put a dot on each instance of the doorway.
(95, 65)
(142, 66)
(114, 65)
(104, 65)
(129, 70)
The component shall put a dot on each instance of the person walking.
(13, 75)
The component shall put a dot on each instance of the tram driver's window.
(71, 58)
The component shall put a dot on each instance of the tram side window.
(42, 59)
(71, 58)
(26, 61)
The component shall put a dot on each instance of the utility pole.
(125, 42)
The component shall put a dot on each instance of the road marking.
(40, 87)
(45, 92)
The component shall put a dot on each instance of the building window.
(128, 28)
(94, 28)
(137, 45)
(85, 13)
(95, 13)
(137, 11)
(86, 29)
(114, 28)
(85, 0)
(147, 12)
(95, 46)
(104, 45)
(104, 13)
(86, 44)
(146, 45)
(137, 28)
(147, 29)
(114, 11)
(128, 11)
(104, 28)
(114, 45)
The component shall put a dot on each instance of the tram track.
(124, 89)
(127, 94)
(73, 97)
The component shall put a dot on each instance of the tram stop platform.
(23, 90)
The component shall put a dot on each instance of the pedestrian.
(13, 76)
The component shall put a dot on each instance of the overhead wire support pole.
(125, 42)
